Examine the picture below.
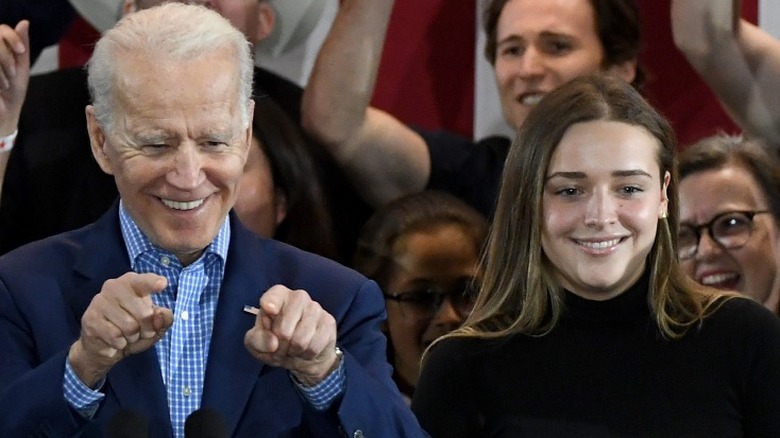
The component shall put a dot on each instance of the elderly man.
(142, 310)
(52, 182)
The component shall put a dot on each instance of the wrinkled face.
(753, 267)
(542, 44)
(260, 206)
(178, 147)
(602, 200)
(444, 259)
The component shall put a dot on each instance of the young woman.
(423, 251)
(729, 236)
(585, 325)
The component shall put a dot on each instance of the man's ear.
(625, 70)
(266, 20)
(248, 132)
(128, 6)
(280, 206)
(97, 141)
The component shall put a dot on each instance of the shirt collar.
(137, 243)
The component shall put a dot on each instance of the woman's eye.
(568, 191)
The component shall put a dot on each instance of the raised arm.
(739, 61)
(14, 77)
(383, 157)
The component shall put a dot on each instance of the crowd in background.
(590, 246)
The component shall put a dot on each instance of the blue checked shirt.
(192, 295)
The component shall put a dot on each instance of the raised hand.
(14, 73)
(294, 332)
(121, 320)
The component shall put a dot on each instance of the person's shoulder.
(495, 141)
(266, 79)
(56, 100)
(465, 347)
(744, 315)
(449, 141)
(37, 254)
(73, 79)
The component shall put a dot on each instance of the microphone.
(205, 423)
(128, 424)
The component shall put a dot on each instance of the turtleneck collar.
(627, 309)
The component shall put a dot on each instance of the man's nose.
(531, 63)
(187, 170)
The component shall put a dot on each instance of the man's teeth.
(599, 245)
(176, 205)
(709, 280)
(531, 99)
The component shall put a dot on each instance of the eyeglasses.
(731, 229)
(424, 303)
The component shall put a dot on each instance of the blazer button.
(358, 434)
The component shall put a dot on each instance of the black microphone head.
(205, 423)
(128, 424)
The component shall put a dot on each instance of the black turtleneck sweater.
(606, 371)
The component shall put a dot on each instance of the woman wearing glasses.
(729, 211)
(585, 325)
(423, 251)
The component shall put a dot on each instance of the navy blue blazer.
(46, 286)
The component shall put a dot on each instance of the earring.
(663, 215)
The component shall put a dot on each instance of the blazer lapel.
(102, 256)
(231, 372)
(136, 381)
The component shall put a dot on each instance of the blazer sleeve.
(31, 392)
(371, 404)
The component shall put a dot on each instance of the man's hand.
(294, 332)
(121, 320)
(14, 73)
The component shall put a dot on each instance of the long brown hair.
(519, 293)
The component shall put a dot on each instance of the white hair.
(172, 31)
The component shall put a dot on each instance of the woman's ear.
(663, 206)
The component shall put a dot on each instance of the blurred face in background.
(429, 293)
(743, 254)
(542, 44)
(260, 205)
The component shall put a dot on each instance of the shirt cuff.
(7, 142)
(79, 396)
(322, 395)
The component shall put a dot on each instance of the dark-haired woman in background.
(423, 251)
(281, 193)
